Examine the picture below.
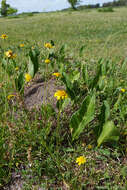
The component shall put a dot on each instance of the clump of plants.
(86, 100)
(105, 9)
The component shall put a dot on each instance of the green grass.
(74, 28)
(42, 144)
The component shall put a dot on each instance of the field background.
(104, 34)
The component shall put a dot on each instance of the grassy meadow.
(63, 97)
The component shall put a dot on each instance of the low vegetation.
(63, 96)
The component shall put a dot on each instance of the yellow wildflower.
(10, 96)
(89, 146)
(14, 56)
(56, 74)
(48, 45)
(21, 45)
(27, 77)
(9, 54)
(47, 61)
(60, 94)
(81, 160)
(16, 68)
(122, 90)
(4, 36)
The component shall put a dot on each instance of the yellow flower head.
(27, 77)
(89, 146)
(60, 94)
(21, 45)
(4, 36)
(10, 96)
(16, 68)
(122, 90)
(14, 56)
(81, 160)
(47, 61)
(56, 74)
(9, 54)
(48, 45)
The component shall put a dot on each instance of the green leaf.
(103, 118)
(63, 49)
(81, 50)
(99, 79)
(85, 74)
(83, 116)
(33, 62)
(109, 133)
(75, 77)
(19, 82)
(95, 80)
(102, 82)
(116, 105)
(69, 85)
(31, 68)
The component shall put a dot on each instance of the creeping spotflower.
(60, 94)
(27, 77)
(4, 36)
(47, 61)
(21, 45)
(48, 45)
(10, 96)
(122, 90)
(81, 160)
(56, 74)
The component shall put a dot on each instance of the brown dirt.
(40, 92)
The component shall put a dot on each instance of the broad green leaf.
(31, 68)
(99, 79)
(76, 77)
(81, 50)
(85, 74)
(83, 116)
(103, 117)
(69, 85)
(95, 80)
(109, 133)
(105, 112)
(102, 82)
(33, 62)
